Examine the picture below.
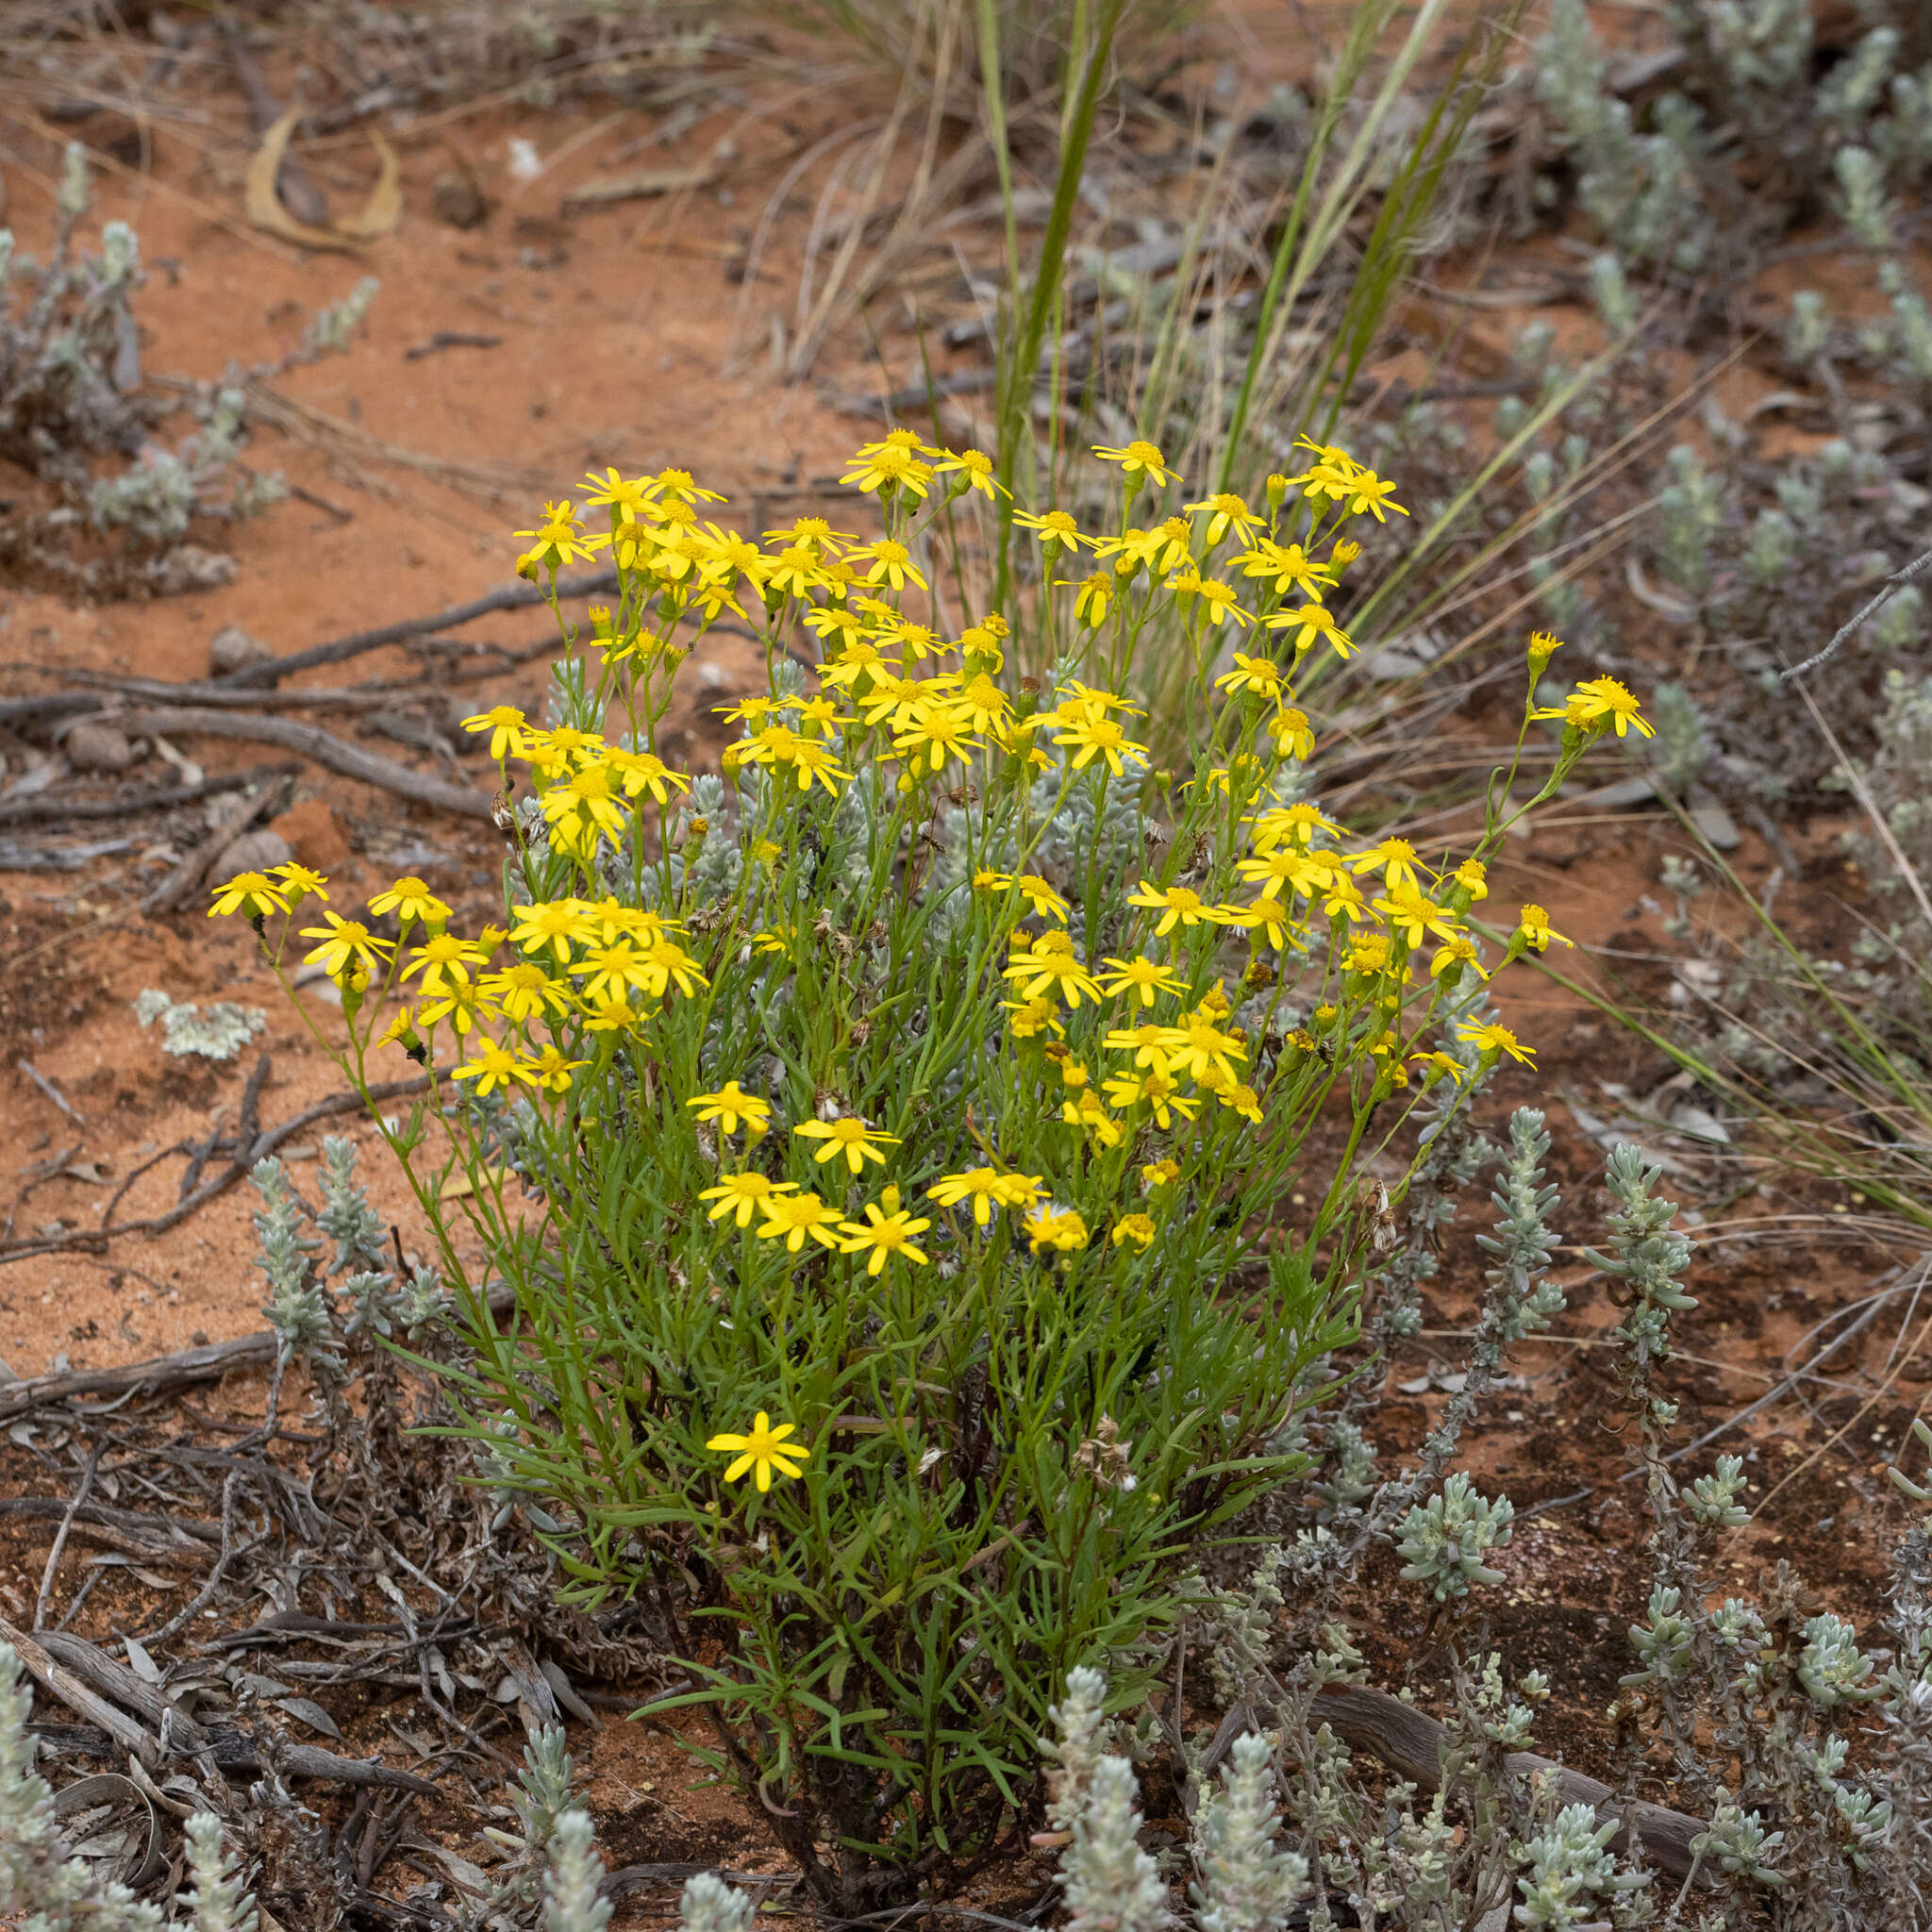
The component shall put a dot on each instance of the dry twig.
(1410, 1741)
(312, 743)
(518, 596)
(250, 1147)
(47, 1575)
(1892, 586)
(158, 798)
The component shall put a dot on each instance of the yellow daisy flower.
(762, 1451)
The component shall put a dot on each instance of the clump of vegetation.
(831, 1119)
(73, 392)
(383, 1490)
(879, 1151)
(219, 1034)
(1804, 1755)
(1824, 1049)
(1756, 1708)
(1688, 181)
(1608, 482)
(1751, 98)
(71, 389)
(551, 1876)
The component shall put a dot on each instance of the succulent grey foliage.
(542, 1791)
(220, 1900)
(1650, 178)
(570, 1900)
(709, 1905)
(297, 1307)
(1445, 1539)
(346, 1217)
(1571, 1869)
(1110, 1884)
(40, 1887)
(71, 389)
(1247, 1881)
(219, 1034)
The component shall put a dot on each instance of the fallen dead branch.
(321, 747)
(482, 661)
(191, 1367)
(1410, 1741)
(518, 596)
(48, 709)
(177, 1735)
(188, 1532)
(635, 1878)
(372, 697)
(52, 1568)
(228, 706)
(250, 1147)
(159, 798)
(61, 1684)
(15, 858)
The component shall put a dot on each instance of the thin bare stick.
(209, 1363)
(1410, 1741)
(191, 1365)
(206, 1596)
(80, 1597)
(1893, 585)
(52, 1092)
(251, 1147)
(1838, 1434)
(1867, 1314)
(312, 743)
(519, 596)
(80, 1495)
(635, 1878)
(31, 810)
(1868, 805)
(180, 884)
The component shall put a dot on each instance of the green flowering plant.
(886, 1138)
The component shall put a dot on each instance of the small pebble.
(98, 747)
(458, 200)
(231, 648)
(251, 852)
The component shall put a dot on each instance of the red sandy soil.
(609, 353)
(614, 328)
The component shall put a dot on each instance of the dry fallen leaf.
(263, 204)
(641, 186)
(378, 216)
(381, 214)
(460, 1187)
(307, 1711)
